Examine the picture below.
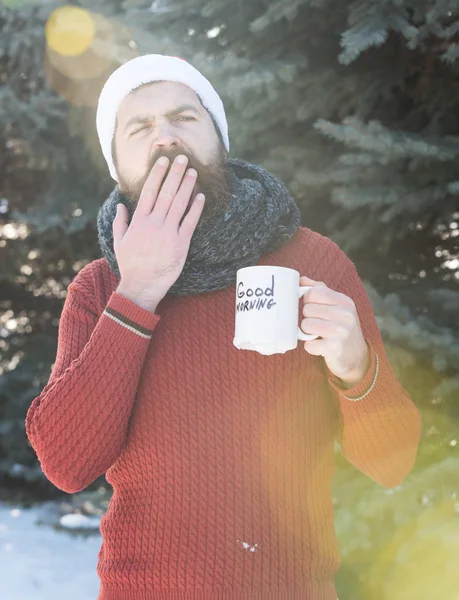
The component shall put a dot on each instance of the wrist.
(147, 302)
(358, 374)
(351, 381)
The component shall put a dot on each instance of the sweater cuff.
(131, 316)
(364, 387)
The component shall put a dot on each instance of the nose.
(165, 138)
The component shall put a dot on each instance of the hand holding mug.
(333, 316)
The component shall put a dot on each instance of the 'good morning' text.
(260, 301)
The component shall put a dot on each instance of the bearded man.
(221, 460)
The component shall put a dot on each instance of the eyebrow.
(170, 113)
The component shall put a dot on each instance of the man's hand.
(152, 249)
(334, 317)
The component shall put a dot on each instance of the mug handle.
(305, 337)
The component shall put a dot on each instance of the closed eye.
(139, 129)
(145, 126)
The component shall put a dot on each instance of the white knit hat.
(146, 69)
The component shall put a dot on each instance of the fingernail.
(181, 159)
(163, 161)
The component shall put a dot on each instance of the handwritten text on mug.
(258, 302)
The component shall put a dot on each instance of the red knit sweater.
(221, 460)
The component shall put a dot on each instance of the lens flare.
(70, 30)
(420, 562)
(83, 48)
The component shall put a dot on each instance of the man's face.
(168, 119)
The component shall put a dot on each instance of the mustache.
(214, 179)
(172, 154)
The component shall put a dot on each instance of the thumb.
(308, 281)
(120, 224)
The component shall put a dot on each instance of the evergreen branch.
(277, 11)
(419, 334)
(375, 137)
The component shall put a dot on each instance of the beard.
(213, 180)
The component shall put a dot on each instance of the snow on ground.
(39, 563)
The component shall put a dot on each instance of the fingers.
(180, 203)
(326, 329)
(321, 294)
(317, 347)
(170, 188)
(191, 220)
(319, 311)
(308, 281)
(119, 225)
(151, 188)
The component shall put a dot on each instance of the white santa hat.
(146, 69)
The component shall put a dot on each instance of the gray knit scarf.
(260, 217)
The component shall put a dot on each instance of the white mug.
(267, 309)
